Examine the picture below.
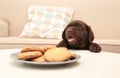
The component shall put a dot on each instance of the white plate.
(14, 57)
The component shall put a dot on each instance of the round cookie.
(29, 55)
(73, 55)
(39, 59)
(30, 48)
(57, 54)
(43, 49)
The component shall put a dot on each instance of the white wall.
(102, 15)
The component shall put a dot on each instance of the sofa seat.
(16, 42)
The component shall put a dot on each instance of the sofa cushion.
(4, 30)
(46, 22)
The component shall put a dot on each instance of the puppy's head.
(78, 34)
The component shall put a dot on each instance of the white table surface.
(90, 65)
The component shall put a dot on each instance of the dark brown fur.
(78, 35)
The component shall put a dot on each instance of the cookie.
(43, 49)
(29, 55)
(73, 55)
(39, 59)
(57, 54)
(30, 48)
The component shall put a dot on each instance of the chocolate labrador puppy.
(78, 35)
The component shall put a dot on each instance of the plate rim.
(14, 57)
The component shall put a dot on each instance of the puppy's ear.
(63, 34)
(90, 34)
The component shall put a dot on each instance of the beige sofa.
(13, 16)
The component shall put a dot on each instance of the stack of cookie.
(46, 54)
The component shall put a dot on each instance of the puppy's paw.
(94, 47)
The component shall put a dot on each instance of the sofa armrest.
(4, 29)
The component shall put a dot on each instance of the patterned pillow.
(46, 22)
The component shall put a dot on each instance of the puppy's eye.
(79, 28)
